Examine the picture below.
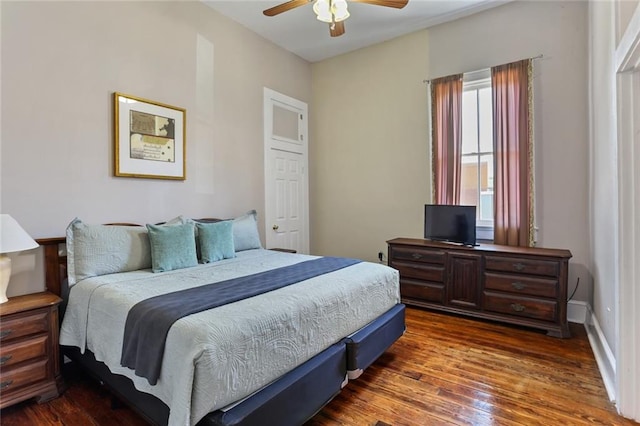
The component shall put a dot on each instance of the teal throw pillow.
(172, 246)
(216, 241)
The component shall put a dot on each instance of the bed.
(276, 356)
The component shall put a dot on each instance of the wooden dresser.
(517, 285)
(29, 355)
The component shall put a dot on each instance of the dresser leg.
(562, 333)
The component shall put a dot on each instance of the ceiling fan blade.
(398, 4)
(283, 7)
(336, 29)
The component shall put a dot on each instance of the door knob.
(276, 227)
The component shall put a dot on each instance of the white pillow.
(94, 250)
(245, 232)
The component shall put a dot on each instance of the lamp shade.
(13, 237)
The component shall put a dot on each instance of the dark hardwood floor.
(444, 370)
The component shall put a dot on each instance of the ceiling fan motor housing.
(334, 12)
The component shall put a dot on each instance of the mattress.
(217, 357)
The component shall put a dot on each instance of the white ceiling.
(298, 31)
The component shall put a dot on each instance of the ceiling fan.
(334, 12)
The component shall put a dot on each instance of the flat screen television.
(452, 223)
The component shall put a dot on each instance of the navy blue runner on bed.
(149, 321)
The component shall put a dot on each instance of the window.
(476, 179)
(473, 166)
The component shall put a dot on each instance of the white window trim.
(473, 81)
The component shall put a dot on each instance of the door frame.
(301, 146)
(627, 67)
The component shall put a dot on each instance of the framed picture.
(150, 138)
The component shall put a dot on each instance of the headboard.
(55, 263)
(55, 258)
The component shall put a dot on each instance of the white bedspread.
(217, 357)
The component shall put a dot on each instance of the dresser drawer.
(23, 375)
(522, 266)
(521, 285)
(420, 271)
(417, 255)
(24, 325)
(428, 292)
(540, 309)
(23, 350)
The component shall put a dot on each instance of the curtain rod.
(429, 80)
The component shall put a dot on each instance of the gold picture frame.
(150, 138)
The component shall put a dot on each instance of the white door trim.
(627, 62)
(299, 146)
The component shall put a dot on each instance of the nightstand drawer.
(540, 309)
(522, 266)
(20, 376)
(24, 325)
(519, 284)
(19, 351)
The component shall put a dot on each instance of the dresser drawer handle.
(4, 359)
(518, 285)
(518, 266)
(6, 384)
(517, 307)
(416, 256)
(5, 333)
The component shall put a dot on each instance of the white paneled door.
(286, 182)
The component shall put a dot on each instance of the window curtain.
(513, 151)
(446, 110)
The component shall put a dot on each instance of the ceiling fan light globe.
(339, 17)
(338, 5)
(339, 10)
(322, 8)
(325, 18)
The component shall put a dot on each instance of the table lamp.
(12, 238)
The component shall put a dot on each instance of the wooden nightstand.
(284, 250)
(29, 353)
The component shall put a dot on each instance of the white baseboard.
(581, 313)
(602, 352)
(577, 311)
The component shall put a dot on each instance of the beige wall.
(624, 10)
(61, 61)
(368, 154)
(369, 160)
(370, 105)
